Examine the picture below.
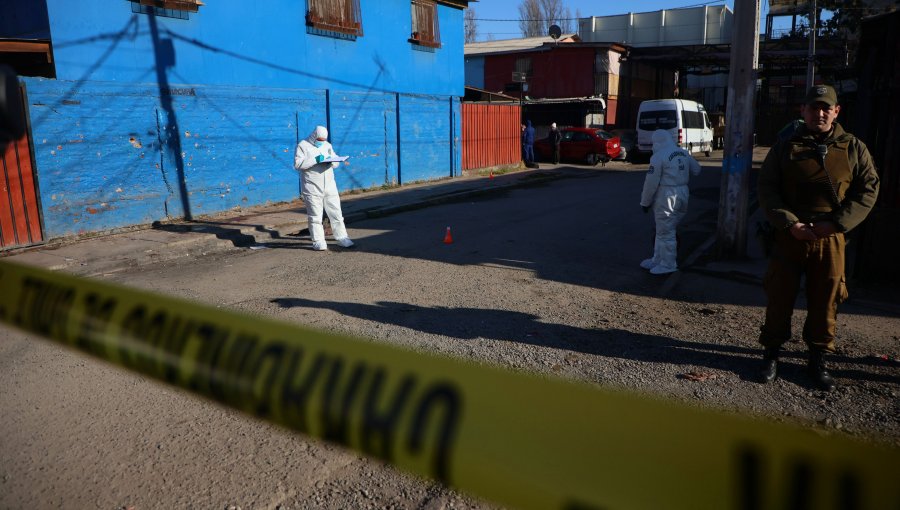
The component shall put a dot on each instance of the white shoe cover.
(320, 246)
(647, 263)
(345, 242)
(662, 270)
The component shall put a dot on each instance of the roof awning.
(27, 46)
(569, 100)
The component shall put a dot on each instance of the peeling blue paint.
(128, 158)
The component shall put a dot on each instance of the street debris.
(697, 376)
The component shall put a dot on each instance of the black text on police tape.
(268, 377)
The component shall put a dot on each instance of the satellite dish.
(555, 32)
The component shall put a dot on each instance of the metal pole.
(811, 57)
(731, 233)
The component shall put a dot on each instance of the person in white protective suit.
(319, 189)
(666, 191)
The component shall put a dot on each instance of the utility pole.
(811, 57)
(731, 233)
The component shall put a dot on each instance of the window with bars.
(341, 16)
(425, 28)
(523, 65)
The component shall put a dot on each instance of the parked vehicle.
(627, 143)
(686, 120)
(589, 145)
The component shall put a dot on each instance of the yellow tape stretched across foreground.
(520, 440)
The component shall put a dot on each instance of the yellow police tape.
(517, 439)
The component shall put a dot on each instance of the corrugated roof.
(514, 45)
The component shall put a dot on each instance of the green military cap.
(821, 94)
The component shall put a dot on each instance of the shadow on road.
(474, 323)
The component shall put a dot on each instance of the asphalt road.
(544, 279)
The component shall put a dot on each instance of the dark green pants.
(822, 261)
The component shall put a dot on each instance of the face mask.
(319, 143)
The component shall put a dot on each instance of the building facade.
(165, 109)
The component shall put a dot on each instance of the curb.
(163, 242)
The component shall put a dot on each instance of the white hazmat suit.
(666, 191)
(319, 189)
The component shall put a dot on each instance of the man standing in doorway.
(814, 187)
(528, 143)
(555, 139)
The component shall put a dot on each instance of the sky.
(486, 10)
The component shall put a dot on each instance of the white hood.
(663, 141)
(319, 132)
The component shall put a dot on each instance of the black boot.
(818, 372)
(769, 370)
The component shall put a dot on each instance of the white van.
(686, 120)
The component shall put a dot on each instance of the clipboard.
(335, 159)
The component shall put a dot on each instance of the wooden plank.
(27, 47)
(29, 190)
(24, 47)
(7, 226)
(16, 197)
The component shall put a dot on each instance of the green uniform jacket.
(856, 185)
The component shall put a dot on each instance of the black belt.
(814, 217)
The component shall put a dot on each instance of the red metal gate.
(491, 135)
(20, 221)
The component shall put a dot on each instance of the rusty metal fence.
(491, 135)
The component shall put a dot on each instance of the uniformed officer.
(814, 187)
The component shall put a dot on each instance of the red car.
(589, 145)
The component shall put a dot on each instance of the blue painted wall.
(261, 44)
(154, 118)
(474, 72)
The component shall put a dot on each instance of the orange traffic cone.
(448, 239)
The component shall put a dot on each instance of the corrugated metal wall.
(364, 127)
(425, 138)
(708, 24)
(112, 156)
(576, 64)
(491, 135)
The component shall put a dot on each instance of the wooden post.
(731, 233)
(811, 57)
